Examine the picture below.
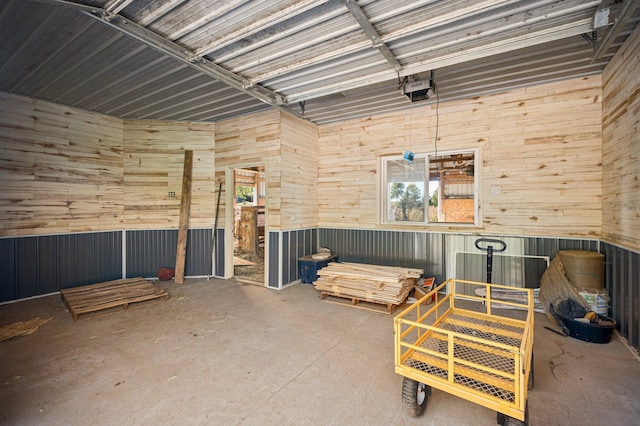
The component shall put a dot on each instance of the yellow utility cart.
(461, 340)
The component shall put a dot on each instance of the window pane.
(405, 190)
(452, 187)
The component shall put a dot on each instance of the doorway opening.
(249, 219)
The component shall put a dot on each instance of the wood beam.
(185, 207)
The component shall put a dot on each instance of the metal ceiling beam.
(155, 11)
(259, 25)
(193, 25)
(175, 51)
(603, 44)
(115, 6)
(454, 58)
(523, 18)
(372, 33)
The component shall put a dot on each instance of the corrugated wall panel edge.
(622, 281)
(285, 247)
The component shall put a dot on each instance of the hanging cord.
(410, 120)
(435, 89)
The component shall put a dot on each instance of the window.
(433, 188)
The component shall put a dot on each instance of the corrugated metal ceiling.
(208, 60)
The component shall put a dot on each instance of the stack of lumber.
(385, 285)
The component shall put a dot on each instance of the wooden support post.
(248, 234)
(183, 227)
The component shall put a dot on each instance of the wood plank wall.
(153, 163)
(621, 146)
(541, 145)
(299, 174)
(61, 169)
(251, 141)
(64, 170)
(288, 148)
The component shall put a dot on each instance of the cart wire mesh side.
(469, 345)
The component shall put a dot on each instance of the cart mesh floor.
(473, 352)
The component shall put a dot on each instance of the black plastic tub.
(589, 332)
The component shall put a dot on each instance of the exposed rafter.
(156, 41)
(115, 6)
(372, 33)
(205, 60)
(259, 25)
(455, 57)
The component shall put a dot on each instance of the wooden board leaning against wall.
(541, 145)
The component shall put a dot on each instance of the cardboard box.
(423, 288)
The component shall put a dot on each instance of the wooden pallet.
(354, 302)
(110, 294)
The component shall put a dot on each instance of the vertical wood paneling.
(621, 145)
(541, 145)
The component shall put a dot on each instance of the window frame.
(385, 201)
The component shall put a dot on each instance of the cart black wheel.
(510, 421)
(414, 396)
(531, 375)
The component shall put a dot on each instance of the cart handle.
(491, 241)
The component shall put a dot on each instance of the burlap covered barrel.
(585, 269)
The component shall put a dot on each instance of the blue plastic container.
(308, 267)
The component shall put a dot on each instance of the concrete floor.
(223, 353)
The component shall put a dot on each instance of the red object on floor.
(165, 274)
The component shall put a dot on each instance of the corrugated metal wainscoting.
(622, 281)
(390, 248)
(219, 259)
(433, 252)
(31, 266)
(449, 255)
(285, 248)
(149, 250)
